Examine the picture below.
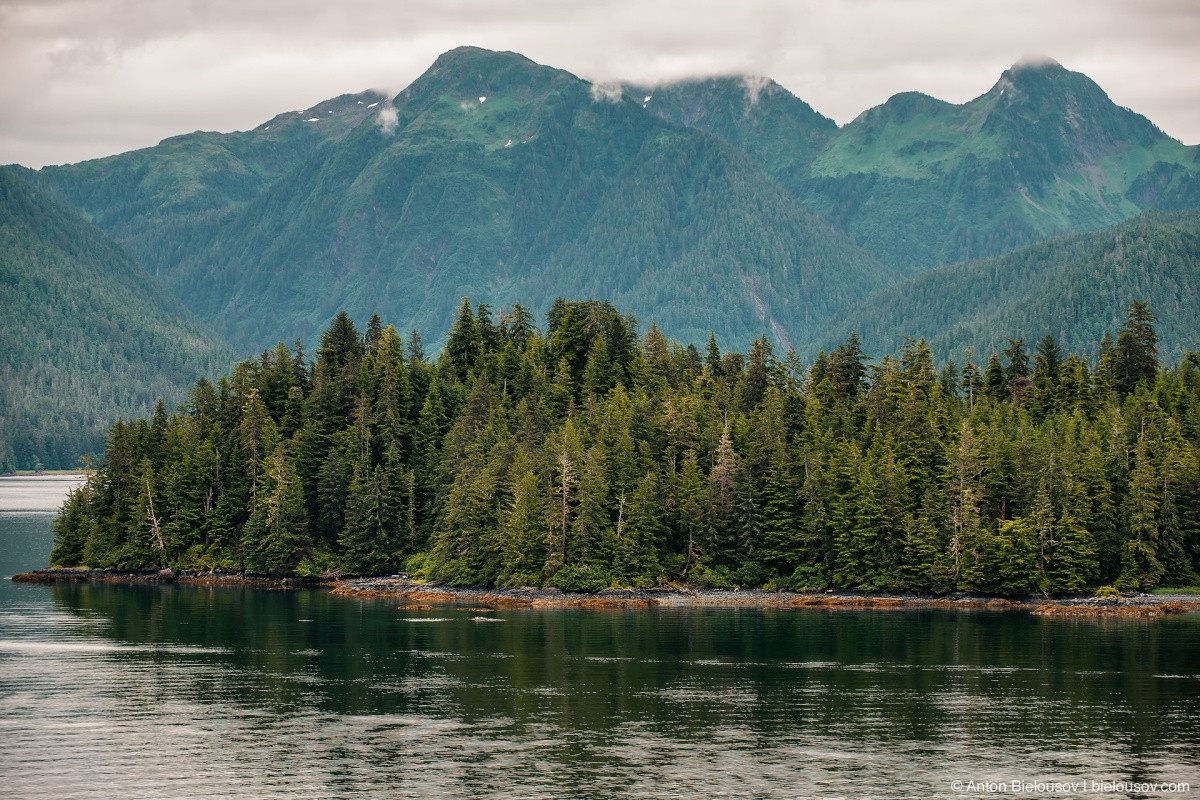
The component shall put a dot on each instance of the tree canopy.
(583, 457)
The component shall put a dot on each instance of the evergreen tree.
(783, 546)
(1140, 567)
(995, 383)
(1012, 568)
(1135, 354)
(393, 403)
(276, 537)
(712, 358)
(642, 534)
(592, 537)
(465, 344)
(365, 541)
(1072, 563)
(724, 480)
(1018, 360)
(970, 380)
(847, 367)
(72, 528)
(257, 438)
(964, 468)
(524, 553)
(691, 511)
(857, 563)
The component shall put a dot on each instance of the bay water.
(113, 691)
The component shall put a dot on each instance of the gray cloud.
(86, 78)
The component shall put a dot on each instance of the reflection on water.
(110, 691)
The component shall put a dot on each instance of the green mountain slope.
(724, 204)
(779, 131)
(502, 179)
(920, 182)
(1071, 287)
(138, 196)
(87, 335)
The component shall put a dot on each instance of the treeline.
(584, 457)
(1062, 285)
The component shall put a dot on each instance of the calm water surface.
(130, 692)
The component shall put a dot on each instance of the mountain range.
(724, 204)
(920, 182)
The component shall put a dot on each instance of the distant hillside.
(143, 197)
(1072, 288)
(919, 182)
(87, 335)
(501, 179)
(779, 131)
(724, 204)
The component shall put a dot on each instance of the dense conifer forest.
(87, 335)
(588, 456)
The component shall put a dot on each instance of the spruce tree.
(995, 383)
(1140, 566)
(782, 543)
(1135, 354)
(1073, 565)
(857, 559)
(642, 534)
(523, 556)
(365, 542)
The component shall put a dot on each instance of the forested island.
(587, 457)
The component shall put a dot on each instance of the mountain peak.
(905, 106)
(1039, 93)
(468, 56)
(467, 72)
(751, 112)
(1043, 76)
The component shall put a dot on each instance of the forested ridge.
(1066, 286)
(496, 178)
(87, 334)
(587, 457)
(726, 204)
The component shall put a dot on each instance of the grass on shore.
(1176, 590)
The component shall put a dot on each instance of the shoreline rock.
(400, 587)
(165, 576)
(414, 595)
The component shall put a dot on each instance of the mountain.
(920, 182)
(723, 204)
(87, 336)
(494, 177)
(1072, 287)
(139, 196)
(780, 132)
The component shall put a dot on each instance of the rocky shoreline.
(164, 576)
(417, 595)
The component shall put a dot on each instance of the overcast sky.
(86, 78)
